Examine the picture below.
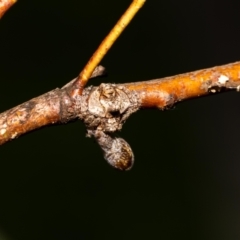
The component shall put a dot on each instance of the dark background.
(185, 184)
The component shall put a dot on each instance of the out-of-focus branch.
(5, 5)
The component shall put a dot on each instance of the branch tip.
(5, 5)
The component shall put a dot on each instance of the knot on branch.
(104, 109)
(107, 107)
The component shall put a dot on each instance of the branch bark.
(106, 44)
(165, 92)
(105, 108)
(57, 106)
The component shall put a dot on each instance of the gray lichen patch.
(107, 107)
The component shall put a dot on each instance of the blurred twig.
(5, 5)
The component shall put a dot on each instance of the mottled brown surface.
(58, 107)
(35, 113)
(53, 107)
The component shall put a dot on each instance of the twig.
(56, 106)
(5, 5)
(105, 108)
(163, 93)
(106, 45)
(38, 112)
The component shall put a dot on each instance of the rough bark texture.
(37, 112)
(105, 108)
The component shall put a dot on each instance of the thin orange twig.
(106, 44)
(5, 5)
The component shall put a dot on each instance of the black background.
(185, 184)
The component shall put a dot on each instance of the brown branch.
(38, 112)
(5, 5)
(164, 92)
(105, 108)
(57, 106)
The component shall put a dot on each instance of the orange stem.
(5, 5)
(106, 44)
(165, 92)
